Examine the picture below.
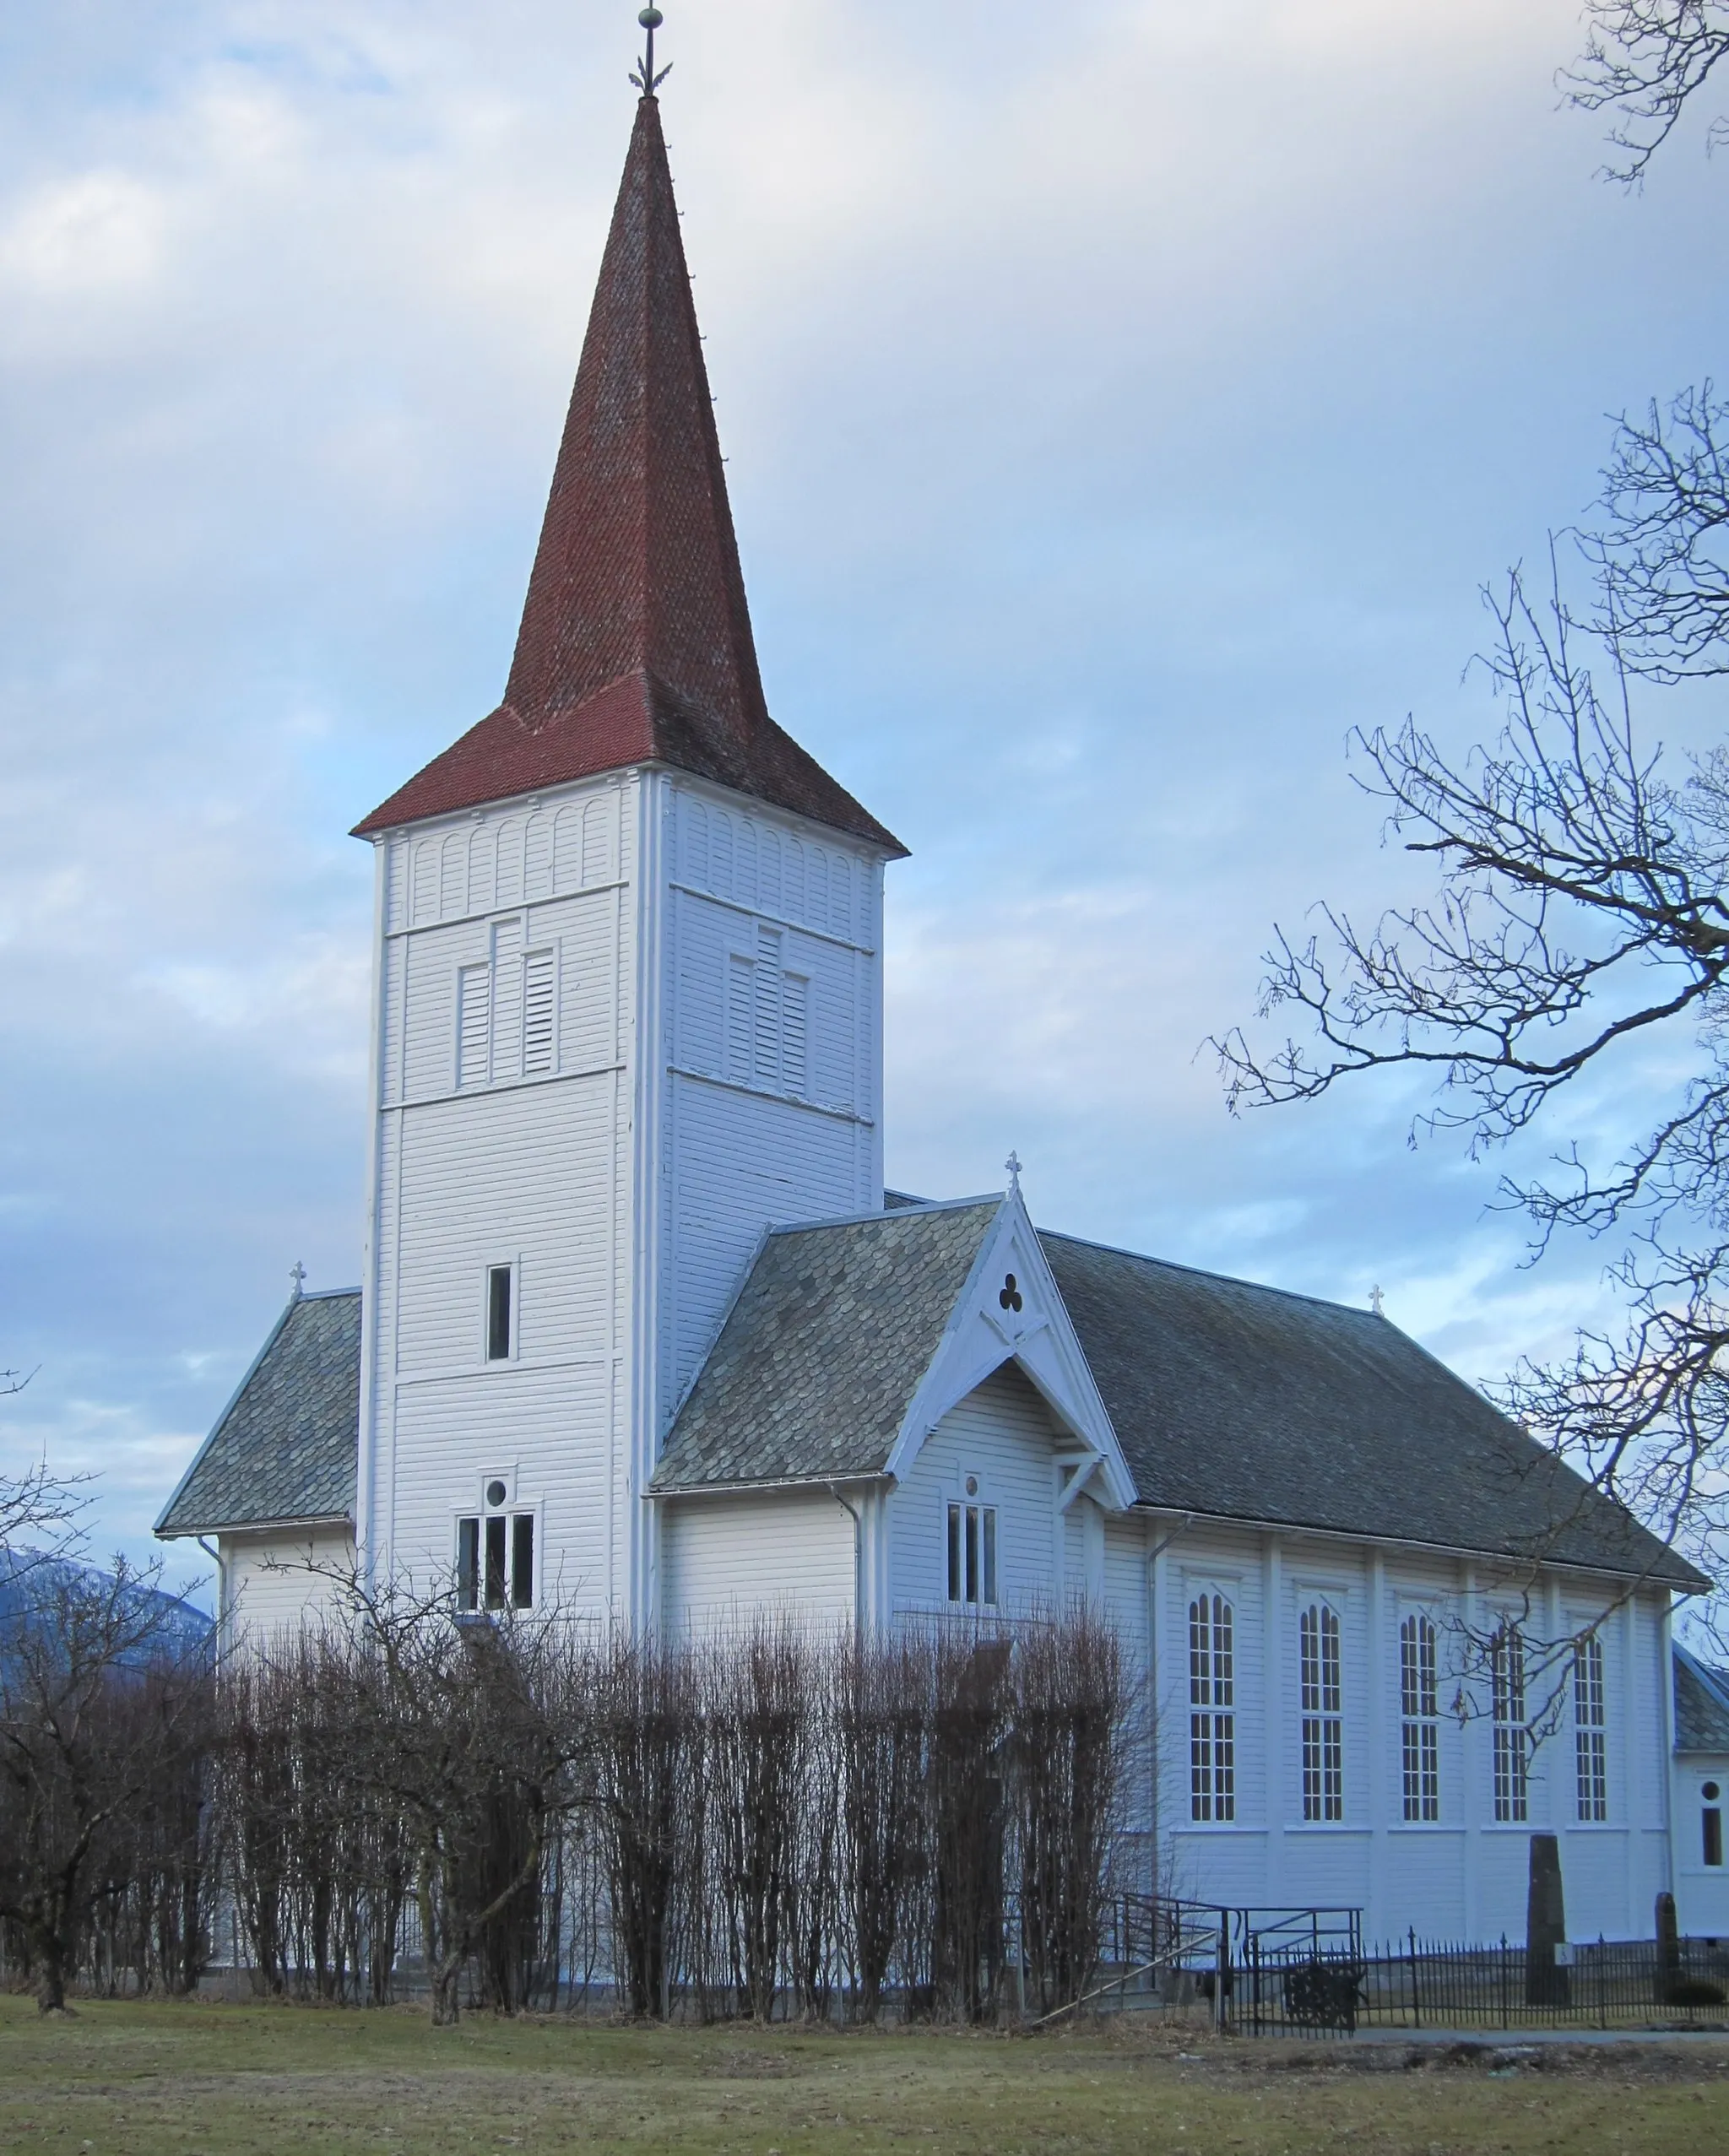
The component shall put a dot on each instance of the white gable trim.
(981, 1335)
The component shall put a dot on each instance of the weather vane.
(645, 77)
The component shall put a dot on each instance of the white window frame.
(1212, 1701)
(512, 1263)
(1320, 1705)
(1510, 1727)
(1419, 1716)
(470, 1595)
(970, 1495)
(1588, 1685)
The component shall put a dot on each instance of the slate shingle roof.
(819, 1358)
(286, 1445)
(1230, 1401)
(1236, 1399)
(1701, 1705)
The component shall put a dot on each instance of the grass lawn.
(231, 2080)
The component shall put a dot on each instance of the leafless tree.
(650, 1788)
(766, 1822)
(882, 1690)
(40, 1510)
(760, 1707)
(1647, 61)
(1581, 908)
(101, 1718)
(1582, 912)
(967, 1741)
(1070, 1758)
(473, 1751)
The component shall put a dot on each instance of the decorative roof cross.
(1374, 1302)
(644, 77)
(297, 1274)
(1013, 1165)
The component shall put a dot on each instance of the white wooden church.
(642, 1334)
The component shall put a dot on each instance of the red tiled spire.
(635, 644)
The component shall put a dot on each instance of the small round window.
(494, 1494)
(1711, 1792)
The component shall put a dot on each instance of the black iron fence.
(1306, 1972)
(1425, 1983)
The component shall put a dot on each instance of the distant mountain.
(31, 1582)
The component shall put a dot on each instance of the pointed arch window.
(1511, 1753)
(1212, 1701)
(1591, 1732)
(1323, 1716)
(1419, 1723)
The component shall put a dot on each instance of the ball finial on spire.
(645, 78)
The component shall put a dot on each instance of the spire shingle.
(634, 645)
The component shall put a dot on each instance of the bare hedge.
(762, 1824)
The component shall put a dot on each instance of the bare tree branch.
(1582, 912)
(1646, 60)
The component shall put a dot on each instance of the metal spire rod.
(645, 77)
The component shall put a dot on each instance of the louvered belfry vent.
(634, 645)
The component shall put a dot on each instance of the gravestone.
(1546, 1983)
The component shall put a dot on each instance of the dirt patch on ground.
(1615, 2062)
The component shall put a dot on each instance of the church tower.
(627, 1006)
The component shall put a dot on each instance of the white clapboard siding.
(507, 856)
(1002, 1434)
(746, 986)
(523, 1176)
(1463, 1875)
(740, 1161)
(547, 1431)
(729, 1560)
(524, 1122)
(763, 864)
(275, 1585)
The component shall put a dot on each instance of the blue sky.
(1120, 406)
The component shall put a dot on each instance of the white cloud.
(1119, 409)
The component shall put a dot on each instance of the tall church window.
(1511, 1755)
(1590, 1734)
(1212, 1718)
(1323, 1737)
(1419, 1711)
